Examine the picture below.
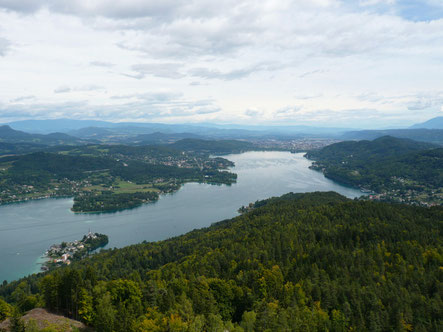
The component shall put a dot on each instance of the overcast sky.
(349, 63)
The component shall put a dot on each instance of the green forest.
(105, 178)
(301, 262)
(400, 168)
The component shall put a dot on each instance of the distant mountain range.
(429, 131)
(89, 128)
(9, 135)
(159, 133)
(130, 135)
(435, 123)
(423, 135)
(103, 129)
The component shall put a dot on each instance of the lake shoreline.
(34, 225)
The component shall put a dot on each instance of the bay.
(28, 229)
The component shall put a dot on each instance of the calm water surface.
(28, 229)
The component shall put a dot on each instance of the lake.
(28, 229)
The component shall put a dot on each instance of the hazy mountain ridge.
(9, 135)
(434, 123)
(424, 135)
(210, 130)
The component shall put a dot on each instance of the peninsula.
(66, 252)
(105, 178)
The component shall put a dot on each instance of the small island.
(66, 252)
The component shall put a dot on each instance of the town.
(66, 252)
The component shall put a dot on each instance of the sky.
(334, 63)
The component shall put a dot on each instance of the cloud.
(122, 9)
(253, 113)
(313, 72)
(44, 110)
(151, 96)
(4, 46)
(63, 89)
(424, 10)
(144, 106)
(84, 88)
(376, 2)
(101, 64)
(24, 6)
(22, 99)
(189, 37)
(177, 71)
(420, 105)
(216, 74)
(428, 101)
(289, 112)
(326, 117)
(166, 104)
(164, 70)
(249, 55)
(234, 74)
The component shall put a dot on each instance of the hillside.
(424, 135)
(105, 178)
(403, 169)
(20, 148)
(434, 123)
(385, 146)
(9, 135)
(303, 262)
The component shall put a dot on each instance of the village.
(66, 252)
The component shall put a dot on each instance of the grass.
(121, 187)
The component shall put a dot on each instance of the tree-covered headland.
(395, 169)
(104, 178)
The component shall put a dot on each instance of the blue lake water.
(28, 229)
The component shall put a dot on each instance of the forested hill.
(105, 178)
(304, 262)
(9, 135)
(400, 169)
(383, 147)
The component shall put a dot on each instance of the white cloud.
(349, 58)
(376, 2)
(101, 64)
(165, 70)
(22, 99)
(62, 89)
(4, 46)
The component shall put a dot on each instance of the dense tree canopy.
(302, 262)
(387, 164)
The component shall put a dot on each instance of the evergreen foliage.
(386, 163)
(303, 262)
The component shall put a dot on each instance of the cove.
(28, 229)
